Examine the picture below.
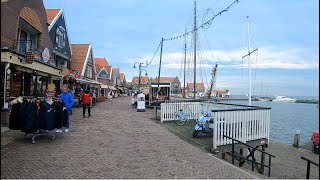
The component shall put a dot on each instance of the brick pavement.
(116, 142)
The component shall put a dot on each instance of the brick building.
(27, 63)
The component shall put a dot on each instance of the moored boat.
(284, 99)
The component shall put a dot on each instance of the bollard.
(296, 140)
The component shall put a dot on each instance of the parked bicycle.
(185, 114)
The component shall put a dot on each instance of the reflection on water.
(287, 118)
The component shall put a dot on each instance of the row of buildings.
(36, 51)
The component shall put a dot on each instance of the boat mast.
(213, 80)
(194, 49)
(185, 61)
(249, 61)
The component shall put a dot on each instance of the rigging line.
(203, 25)
(182, 62)
(201, 58)
(205, 37)
(154, 54)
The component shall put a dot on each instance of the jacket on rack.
(60, 115)
(45, 117)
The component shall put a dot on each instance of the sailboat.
(266, 98)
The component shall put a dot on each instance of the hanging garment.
(59, 115)
(45, 117)
(29, 114)
(15, 120)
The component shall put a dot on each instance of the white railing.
(244, 123)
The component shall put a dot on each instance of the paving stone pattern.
(115, 142)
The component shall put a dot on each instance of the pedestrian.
(94, 97)
(68, 100)
(111, 95)
(86, 100)
(135, 100)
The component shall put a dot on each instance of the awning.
(94, 82)
(82, 81)
(121, 89)
(103, 86)
(113, 88)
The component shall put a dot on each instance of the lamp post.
(140, 65)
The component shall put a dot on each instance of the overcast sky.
(285, 32)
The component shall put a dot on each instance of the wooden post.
(241, 152)
(224, 156)
(296, 140)
(263, 156)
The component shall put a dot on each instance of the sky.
(127, 32)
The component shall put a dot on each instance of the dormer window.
(61, 37)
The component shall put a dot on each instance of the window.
(28, 37)
(60, 37)
(89, 71)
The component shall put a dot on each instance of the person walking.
(94, 97)
(111, 95)
(86, 100)
(68, 100)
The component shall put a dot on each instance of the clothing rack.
(39, 133)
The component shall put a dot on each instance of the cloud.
(264, 58)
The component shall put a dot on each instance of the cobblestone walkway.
(115, 142)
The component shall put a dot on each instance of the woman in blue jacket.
(68, 100)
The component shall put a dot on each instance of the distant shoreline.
(254, 99)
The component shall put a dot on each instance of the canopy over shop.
(25, 79)
(105, 89)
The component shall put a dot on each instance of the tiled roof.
(79, 53)
(115, 71)
(164, 79)
(109, 70)
(98, 67)
(101, 61)
(121, 77)
(198, 85)
(51, 14)
(143, 80)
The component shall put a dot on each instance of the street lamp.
(140, 65)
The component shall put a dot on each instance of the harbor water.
(287, 118)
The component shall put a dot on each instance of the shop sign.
(45, 55)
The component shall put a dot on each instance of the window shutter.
(57, 35)
(64, 39)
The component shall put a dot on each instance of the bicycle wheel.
(182, 116)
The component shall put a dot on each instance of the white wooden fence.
(244, 123)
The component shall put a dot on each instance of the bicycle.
(185, 114)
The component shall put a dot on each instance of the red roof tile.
(143, 80)
(101, 61)
(79, 53)
(198, 85)
(115, 71)
(51, 14)
(121, 77)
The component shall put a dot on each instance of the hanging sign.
(45, 55)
